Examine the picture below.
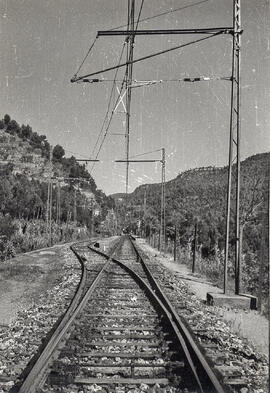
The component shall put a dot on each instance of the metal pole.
(229, 185)
(50, 213)
(59, 202)
(48, 192)
(48, 207)
(194, 250)
(268, 241)
(237, 38)
(129, 68)
(235, 112)
(162, 205)
(75, 205)
(174, 249)
(49, 201)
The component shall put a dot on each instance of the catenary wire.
(109, 103)
(120, 91)
(164, 13)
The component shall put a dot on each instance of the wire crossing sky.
(45, 41)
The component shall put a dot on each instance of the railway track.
(120, 333)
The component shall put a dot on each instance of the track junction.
(119, 332)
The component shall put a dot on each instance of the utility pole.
(195, 247)
(75, 205)
(268, 234)
(234, 147)
(144, 211)
(58, 203)
(50, 211)
(91, 205)
(175, 243)
(162, 205)
(49, 201)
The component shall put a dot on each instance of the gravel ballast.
(233, 356)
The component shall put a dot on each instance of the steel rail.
(169, 318)
(37, 374)
(167, 312)
(186, 340)
(192, 346)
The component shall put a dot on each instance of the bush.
(7, 249)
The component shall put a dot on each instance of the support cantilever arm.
(209, 30)
(80, 78)
(138, 161)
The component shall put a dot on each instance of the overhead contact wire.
(164, 13)
(108, 108)
(108, 125)
(120, 91)
(110, 99)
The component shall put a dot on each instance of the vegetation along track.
(120, 334)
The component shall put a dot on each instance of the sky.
(43, 42)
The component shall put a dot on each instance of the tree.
(13, 127)
(26, 131)
(7, 119)
(58, 152)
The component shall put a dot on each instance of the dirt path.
(24, 277)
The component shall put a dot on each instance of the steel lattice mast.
(234, 147)
(129, 69)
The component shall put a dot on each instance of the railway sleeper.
(119, 327)
(108, 363)
(162, 382)
(122, 355)
(124, 371)
(125, 320)
(132, 344)
(113, 337)
(92, 327)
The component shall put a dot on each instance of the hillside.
(27, 162)
(198, 196)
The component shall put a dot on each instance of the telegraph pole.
(195, 247)
(234, 147)
(144, 211)
(58, 204)
(75, 205)
(49, 201)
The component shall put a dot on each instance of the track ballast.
(120, 335)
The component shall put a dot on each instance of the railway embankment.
(241, 336)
